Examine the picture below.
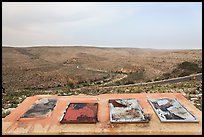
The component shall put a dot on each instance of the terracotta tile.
(80, 113)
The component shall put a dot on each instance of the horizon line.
(94, 46)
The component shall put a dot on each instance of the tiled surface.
(126, 110)
(13, 124)
(41, 108)
(80, 113)
(171, 110)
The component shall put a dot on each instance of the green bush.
(189, 66)
(185, 73)
(70, 84)
(4, 114)
(183, 69)
(157, 79)
(167, 75)
(135, 76)
(149, 80)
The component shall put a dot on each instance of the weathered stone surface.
(51, 125)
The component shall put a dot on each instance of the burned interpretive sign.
(80, 113)
(126, 110)
(41, 108)
(171, 110)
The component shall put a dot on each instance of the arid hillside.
(58, 67)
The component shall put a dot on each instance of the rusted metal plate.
(41, 108)
(126, 110)
(171, 110)
(80, 113)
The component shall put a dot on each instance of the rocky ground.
(52, 67)
(192, 90)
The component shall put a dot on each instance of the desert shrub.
(135, 76)
(13, 105)
(167, 75)
(70, 84)
(117, 83)
(149, 80)
(4, 114)
(157, 79)
(129, 82)
(189, 66)
(185, 73)
(184, 69)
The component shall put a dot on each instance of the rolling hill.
(49, 67)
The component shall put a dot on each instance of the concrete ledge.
(13, 124)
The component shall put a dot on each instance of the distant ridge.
(88, 46)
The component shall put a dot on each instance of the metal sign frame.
(126, 111)
(163, 112)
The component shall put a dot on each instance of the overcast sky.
(122, 24)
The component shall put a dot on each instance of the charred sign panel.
(80, 113)
(41, 107)
(171, 110)
(126, 110)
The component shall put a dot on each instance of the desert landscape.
(90, 70)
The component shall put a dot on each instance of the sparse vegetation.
(5, 113)
(183, 69)
(167, 75)
(132, 77)
(189, 66)
(70, 84)
(157, 79)
(44, 68)
(34, 71)
(189, 89)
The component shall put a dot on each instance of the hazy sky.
(114, 24)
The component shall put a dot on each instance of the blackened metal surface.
(126, 110)
(171, 110)
(42, 107)
(80, 113)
